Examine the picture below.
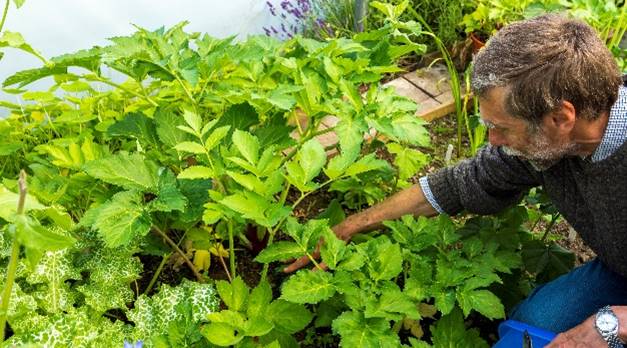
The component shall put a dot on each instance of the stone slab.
(434, 80)
(406, 89)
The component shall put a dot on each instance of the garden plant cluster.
(132, 211)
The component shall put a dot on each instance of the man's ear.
(561, 120)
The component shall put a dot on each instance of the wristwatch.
(607, 325)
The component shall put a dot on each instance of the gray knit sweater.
(592, 197)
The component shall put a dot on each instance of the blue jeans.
(568, 300)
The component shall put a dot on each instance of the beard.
(540, 153)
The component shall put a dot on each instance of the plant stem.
(113, 84)
(4, 17)
(157, 273)
(226, 269)
(180, 252)
(554, 218)
(231, 248)
(15, 254)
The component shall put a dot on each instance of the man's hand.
(584, 335)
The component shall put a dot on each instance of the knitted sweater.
(592, 196)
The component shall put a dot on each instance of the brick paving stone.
(406, 89)
(434, 80)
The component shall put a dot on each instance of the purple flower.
(138, 344)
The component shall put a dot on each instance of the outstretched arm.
(409, 201)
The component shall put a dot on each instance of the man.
(551, 95)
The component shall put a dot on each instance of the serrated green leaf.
(407, 160)
(259, 300)
(234, 294)
(308, 287)
(387, 260)
(247, 145)
(357, 331)
(221, 334)
(392, 304)
(279, 251)
(289, 317)
(216, 136)
(169, 198)
(196, 172)
(333, 249)
(131, 171)
(366, 164)
(120, 219)
(450, 331)
(193, 120)
(312, 158)
(138, 126)
(191, 147)
(255, 207)
(483, 301)
(166, 128)
(445, 301)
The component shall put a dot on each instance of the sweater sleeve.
(485, 184)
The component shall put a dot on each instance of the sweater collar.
(616, 131)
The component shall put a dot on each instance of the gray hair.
(544, 61)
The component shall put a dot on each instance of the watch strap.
(611, 338)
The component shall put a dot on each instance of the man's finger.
(303, 261)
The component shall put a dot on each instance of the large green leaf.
(111, 275)
(247, 144)
(333, 249)
(154, 315)
(169, 198)
(308, 287)
(138, 126)
(483, 301)
(279, 251)
(50, 276)
(255, 207)
(392, 304)
(37, 237)
(167, 123)
(120, 219)
(234, 294)
(450, 331)
(131, 171)
(407, 160)
(289, 317)
(9, 200)
(259, 300)
(357, 331)
(386, 259)
(311, 158)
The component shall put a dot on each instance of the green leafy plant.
(435, 263)
(206, 139)
(253, 319)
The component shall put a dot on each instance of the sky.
(55, 27)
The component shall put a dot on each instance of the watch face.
(607, 323)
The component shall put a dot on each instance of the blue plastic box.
(511, 335)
